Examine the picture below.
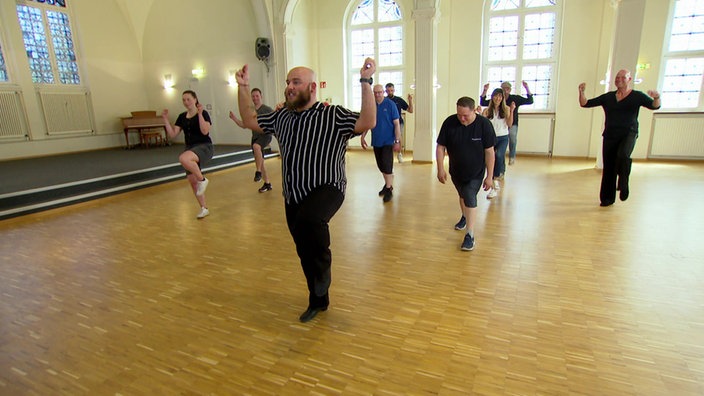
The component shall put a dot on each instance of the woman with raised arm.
(195, 124)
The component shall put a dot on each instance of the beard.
(300, 100)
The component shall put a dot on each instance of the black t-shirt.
(400, 105)
(465, 146)
(621, 117)
(191, 129)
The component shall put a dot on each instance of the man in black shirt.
(468, 139)
(313, 142)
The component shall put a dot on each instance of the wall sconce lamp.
(197, 72)
(168, 81)
(231, 78)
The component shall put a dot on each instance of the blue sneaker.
(468, 243)
(462, 224)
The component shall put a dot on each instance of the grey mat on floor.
(25, 174)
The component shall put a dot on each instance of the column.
(426, 16)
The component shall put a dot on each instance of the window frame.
(520, 63)
(353, 94)
(668, 55)
(54, 60)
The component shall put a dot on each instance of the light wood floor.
(131, 295)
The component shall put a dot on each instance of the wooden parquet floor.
(131, 295)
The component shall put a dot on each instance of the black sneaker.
(468, 243)
(462, 224)
(257, 176)
(266, 187)
(382, 191)
(388, 194)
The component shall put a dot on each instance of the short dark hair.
(466, 101)
(256, 90)
(389, 85)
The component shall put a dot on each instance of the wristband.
(367, 80)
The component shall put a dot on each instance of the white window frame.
(50, 46)
(353, 95)
(519, 63)
(668, 55)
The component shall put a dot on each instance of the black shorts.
(203, 151)
(385, 159)
(262, 139)
(468, 191)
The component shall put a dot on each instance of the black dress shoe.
(310, 313)
(606, 203)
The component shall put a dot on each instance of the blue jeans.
(512, 141)
(500, 151)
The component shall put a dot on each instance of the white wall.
(126, 46)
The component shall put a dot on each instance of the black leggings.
(617, 163)
(308, 223)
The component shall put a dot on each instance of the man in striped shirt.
(313, 141)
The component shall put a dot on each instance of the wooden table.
(141, 124)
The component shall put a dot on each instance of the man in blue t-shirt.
(386, 138)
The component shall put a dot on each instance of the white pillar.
(426, 16)
(625, 44)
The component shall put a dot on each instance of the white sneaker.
(202, 185)
(203, 212)
(497, 186)
(492, 194)
(511, 161)
(400, 158)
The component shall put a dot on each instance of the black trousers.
(308, 223)
(617, 165)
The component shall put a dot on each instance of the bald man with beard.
(313, 141)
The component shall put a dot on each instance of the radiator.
(535, 133)
(677, 136)
(66, 112)
(12, 116)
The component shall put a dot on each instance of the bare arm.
(656, 98)
(582, 98)
(244, 100)
(171, 131)
(237, 121)
(410, 103)
(489, 159)
(202, 123)
(440, 161)
(367, 115)
(397, 134)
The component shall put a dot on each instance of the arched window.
(683, 57)
(520, 44)
(49, 41)
(376, 30)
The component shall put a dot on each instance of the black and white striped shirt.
(313, 145)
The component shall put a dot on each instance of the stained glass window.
(3, 68)
(684, 60)
(376, 30)
(521, 46)
(49, 42)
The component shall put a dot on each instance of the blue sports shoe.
(462, 224)
(468, 243)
